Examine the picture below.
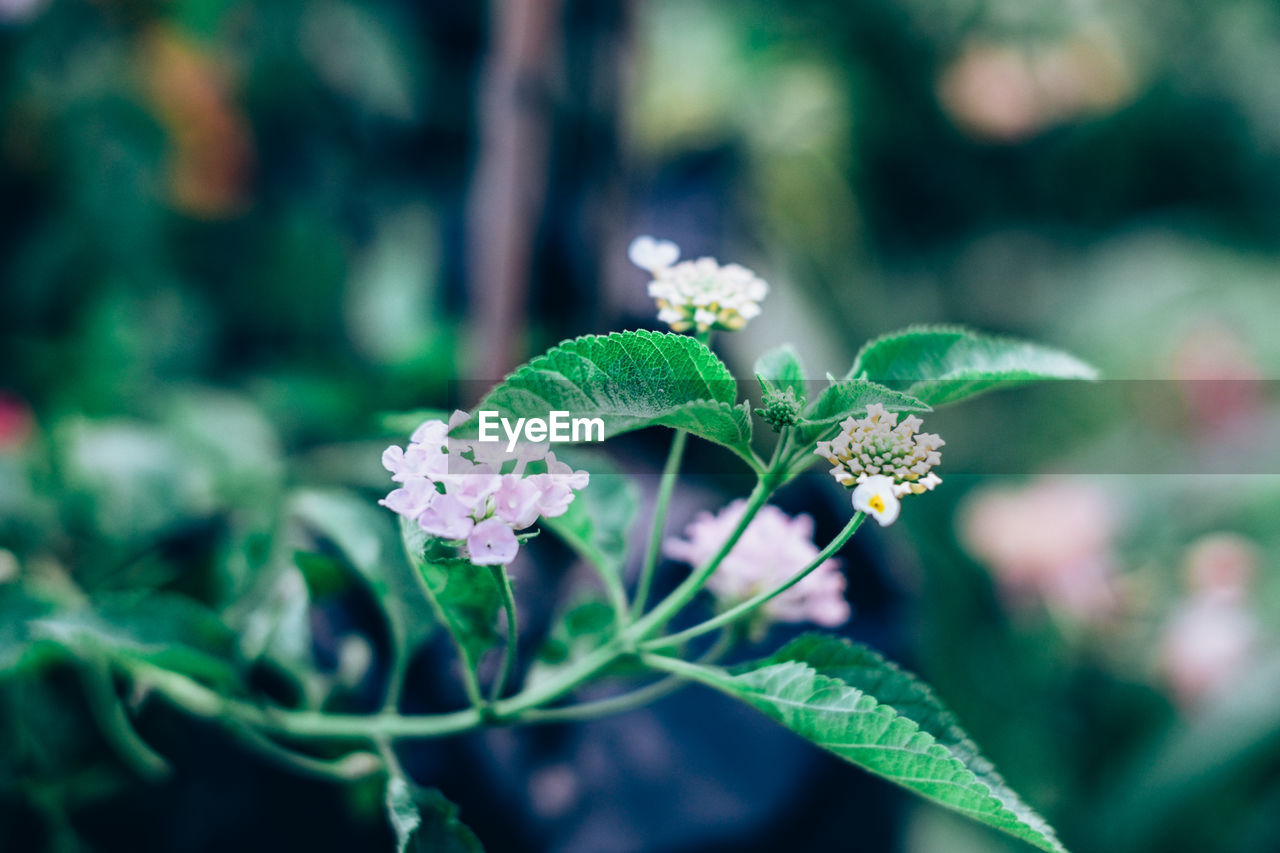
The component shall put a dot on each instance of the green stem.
(390, 761)
(670, 473)
(110, 713)
(353, 766)
(503, 580)
(739, 611)
(691, 585)
(675, 666)
(395, 678)
(200, 701)
(626, 701)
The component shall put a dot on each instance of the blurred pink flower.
(1009, 93)
(1050, 541)
(16, 421)
(1220, 378)
(1221, 564)
(1206, 644)
(1212, 636)
(773, 548)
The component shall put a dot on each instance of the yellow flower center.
(876, 503)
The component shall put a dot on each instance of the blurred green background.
(236, 232)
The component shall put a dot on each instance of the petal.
(492, 543)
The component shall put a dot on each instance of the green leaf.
(849, 398)
(598, 523)
(583, 627)
(942, 364)
(163, 629)
(630, 380)
(881, 719)
(425, 822)
(780, 369)
(465, 597)
(19, 608)
(366, 538)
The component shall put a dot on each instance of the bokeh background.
(233, 233)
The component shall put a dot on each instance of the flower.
(463, 492)
(878, 448)
(1206, 645)
(699, 294)
(492, 543)
(1213, 636)
(773, 548)
(875, 495)
(1051, 541)
(652, 255)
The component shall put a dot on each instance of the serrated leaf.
(919, 746)
(163, 629)
(465, 597)
(943, 364)
(780, 369)
(630, 380)
(365, 538)
(424, 821)
(849, 398)
(865, 669)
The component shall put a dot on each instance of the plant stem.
(675, 666)
(670, 473)
(503, 580)
(626, 701)
(199, 700)
(109, 711)
(691, 585)
(737, 612)
(355, 765)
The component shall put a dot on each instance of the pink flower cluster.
(457, 490)
(773, 548)
(1213, 636)
(1051, 541)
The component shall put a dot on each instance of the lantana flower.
(1052, 541)
(457, 490)
(699, 294)
(773, 548)
(882, 460)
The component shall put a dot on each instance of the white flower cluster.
(699, 294)
(456, 490)
(884, 459)
(773, 548)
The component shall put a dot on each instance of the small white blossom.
(877, 445)
(460, 491)
(773, 548)
(652, 255)
(699, 294)
(876, 496)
